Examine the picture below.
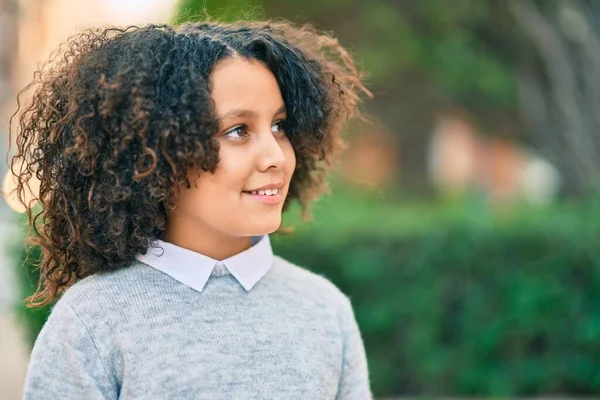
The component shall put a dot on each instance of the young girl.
(165, 158)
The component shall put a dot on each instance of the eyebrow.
(246, 113)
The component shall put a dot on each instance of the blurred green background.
(463, 222)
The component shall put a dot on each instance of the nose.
(271, 154)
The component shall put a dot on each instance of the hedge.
(461, 306)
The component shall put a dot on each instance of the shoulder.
(103, 294)
(75, 348)
(307, 283)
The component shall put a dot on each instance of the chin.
(266, 227)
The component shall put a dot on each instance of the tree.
(559, 86)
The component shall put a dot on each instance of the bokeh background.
(462, 221)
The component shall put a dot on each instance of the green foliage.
(507, 308)
(27, 278)
(222, 10)
(393, 38)
(458, 300)
(444, 42)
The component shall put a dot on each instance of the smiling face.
(245, 195)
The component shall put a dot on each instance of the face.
(245, 195)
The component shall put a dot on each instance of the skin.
(217, 217)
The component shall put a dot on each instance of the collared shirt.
(194, 269)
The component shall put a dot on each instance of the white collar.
(194, 269)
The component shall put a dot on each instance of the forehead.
(238, 83)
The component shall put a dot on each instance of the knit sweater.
(137, 333)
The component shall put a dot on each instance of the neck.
(213, 244)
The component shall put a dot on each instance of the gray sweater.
(137, 333)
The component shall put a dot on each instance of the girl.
(165, 158)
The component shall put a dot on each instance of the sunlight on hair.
(9, 183)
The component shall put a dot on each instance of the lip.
(266, 199)
(277, 185)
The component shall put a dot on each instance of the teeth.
(267, 192)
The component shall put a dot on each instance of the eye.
(238, 132)
(278, 126)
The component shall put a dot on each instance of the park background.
(462, 220)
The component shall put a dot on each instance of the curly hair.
(118, 116)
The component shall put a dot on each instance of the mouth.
(272, 189)
(263, 192)
(270, 195)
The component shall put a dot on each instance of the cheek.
(206, 200)
(232, 172)
(212, 188)
(290, 156)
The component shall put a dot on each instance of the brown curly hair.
(119, 115)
